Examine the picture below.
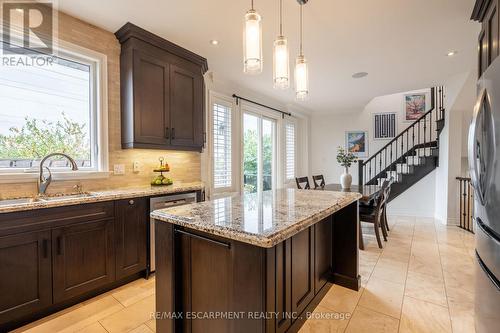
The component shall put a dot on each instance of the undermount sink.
(20, 201)
(65, 197)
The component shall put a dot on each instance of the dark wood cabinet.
(486, 12)
(162, 92)
(151, 99)
(323, 253)
(187, 93)
(25, 274)
(83, 258)
(131, 222)
(302, 271)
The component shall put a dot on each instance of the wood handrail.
(433, 107)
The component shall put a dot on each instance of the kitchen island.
(253, 263)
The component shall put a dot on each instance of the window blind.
(290, 151)
(222, 146)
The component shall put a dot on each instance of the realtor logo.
(27, 27)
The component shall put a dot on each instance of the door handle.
(167, 133)
(173, 133)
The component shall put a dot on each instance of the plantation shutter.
(222, 146)
(290, 151)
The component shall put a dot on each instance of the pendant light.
(252, 42)
(281, 75)
(301, 70)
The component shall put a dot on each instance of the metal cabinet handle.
(167, 133)
(203, 238)
(45, 248)
(131, 202)
(173, 133)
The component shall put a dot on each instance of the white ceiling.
(402, 44)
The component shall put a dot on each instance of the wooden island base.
(206, 283)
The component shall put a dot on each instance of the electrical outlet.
(119, 169)
(136, 166)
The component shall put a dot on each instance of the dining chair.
(319, 181)
(374, 215)
(304, 181)
(387, 195)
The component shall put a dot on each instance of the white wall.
(328, 132)
(459, 101)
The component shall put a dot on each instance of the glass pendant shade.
(252, 43)
(281, 75)
(301, 78)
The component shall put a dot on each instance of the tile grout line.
(362, 292)
(406, 278)
(444, 281)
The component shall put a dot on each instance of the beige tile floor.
(422, 281)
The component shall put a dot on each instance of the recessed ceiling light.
(452, 53)
(214, 42)
(359, 75)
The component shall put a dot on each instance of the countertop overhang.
(261, 219)
(107, 195)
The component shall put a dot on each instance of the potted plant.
(345, 159)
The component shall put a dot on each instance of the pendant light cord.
(301, 29)
(281, 17)
(252, 4)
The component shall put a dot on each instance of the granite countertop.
(98, 196)
(263, 219)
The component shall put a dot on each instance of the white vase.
(346, 180)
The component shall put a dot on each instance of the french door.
(259, 152)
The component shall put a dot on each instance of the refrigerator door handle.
(472, 149)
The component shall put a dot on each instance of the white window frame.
(263, 114)
(224, 101)
(294, 122)
(99, 119)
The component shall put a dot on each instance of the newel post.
(360, 175)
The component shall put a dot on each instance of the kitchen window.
(57, 107)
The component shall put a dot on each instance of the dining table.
(368, 192)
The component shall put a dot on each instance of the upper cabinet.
(162, 92)
(486, 12)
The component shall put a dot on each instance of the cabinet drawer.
(30, 220)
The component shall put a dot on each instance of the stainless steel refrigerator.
(484, 162)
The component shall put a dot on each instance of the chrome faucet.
(44, 182)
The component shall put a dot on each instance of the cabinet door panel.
(202, 290)
(25, 274)
(302, 269)
(83, 258)
(492, 24)
(131, 240)
(322, 253)
(151, 99)
(186, 110)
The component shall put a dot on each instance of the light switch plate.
(136, 166)
(119, 169)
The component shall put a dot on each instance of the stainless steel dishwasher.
(165, 202)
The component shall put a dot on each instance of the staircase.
(411, 155)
